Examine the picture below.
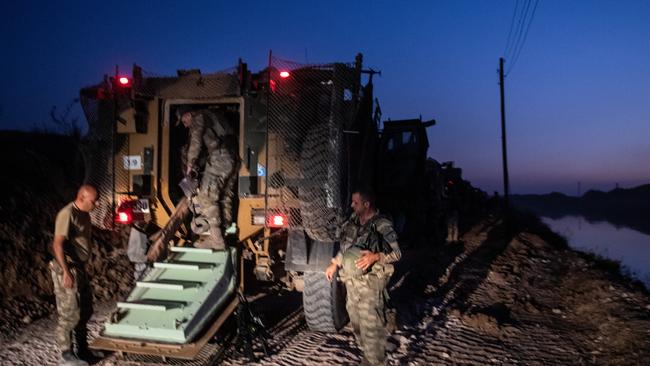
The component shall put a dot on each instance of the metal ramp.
(175, 304)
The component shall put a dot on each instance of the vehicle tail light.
(277, 220)
(270, 218)
(131, 210)
(124, 217)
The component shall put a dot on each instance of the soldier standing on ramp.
(368, 249)
(72, 248)
(210, 130)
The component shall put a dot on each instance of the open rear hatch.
(177, 307)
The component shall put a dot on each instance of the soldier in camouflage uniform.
(210, 131)
(366, 273)
(71, 249)
(451, 206)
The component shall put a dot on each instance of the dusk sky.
(577, 99)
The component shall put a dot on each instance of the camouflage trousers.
(366, 305)
(217, 191)
(74, 307)
(452, 227)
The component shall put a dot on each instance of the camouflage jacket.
(355, 234)
(209, 130)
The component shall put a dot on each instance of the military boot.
(213, 239)
(70, 359)
(210, 242)
(364, 362)
(91, 356)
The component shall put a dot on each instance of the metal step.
(190, 266)
(151, 304)
(175, 301)
(169, 284)
(191, 250)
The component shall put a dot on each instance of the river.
(630, 247)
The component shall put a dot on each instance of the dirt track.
(497, 298)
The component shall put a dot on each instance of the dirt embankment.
(520, 294)
(41, 174)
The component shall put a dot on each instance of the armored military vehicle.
(308, 134)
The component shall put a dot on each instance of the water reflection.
(629, 246)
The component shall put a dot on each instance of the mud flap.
(304, 254)
(138, 245)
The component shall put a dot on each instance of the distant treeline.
(621, 207)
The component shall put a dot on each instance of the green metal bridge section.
(178, 298)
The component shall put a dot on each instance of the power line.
(516, 23)
(524, 40)
(521, 25)
(517, 20)
(512, 23)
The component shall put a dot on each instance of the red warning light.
(124, 81)
(278, 220)
(123, 217)
(284, 74)
(129, 211)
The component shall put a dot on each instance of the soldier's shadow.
(415, 276)
(454, 289)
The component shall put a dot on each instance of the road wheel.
(324, 303)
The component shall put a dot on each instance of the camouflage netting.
(309, 110)
(98, 153)
(188, 84)
(109, 175)
(318, 114)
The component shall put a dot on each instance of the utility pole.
(506, 182)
